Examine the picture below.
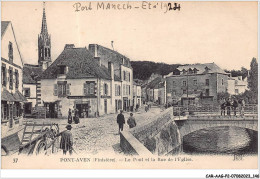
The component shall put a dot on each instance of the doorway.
(83, 110)
(27, 108)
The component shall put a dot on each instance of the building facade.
(77, 81)
(11, 76)
(137, 95)
(196, 84)
(31, 88)
(237, 85)
(123, 72)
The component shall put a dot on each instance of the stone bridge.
(191, 125)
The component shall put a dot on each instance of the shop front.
(11, 108)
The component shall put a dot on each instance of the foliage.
(150, 144)
(253, 76)
(234, 73)
(143, 69)
(222, 95)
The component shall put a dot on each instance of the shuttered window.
(55, 92)
(89, 88)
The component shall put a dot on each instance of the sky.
(200, 32)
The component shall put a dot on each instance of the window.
(236, 91)
(119, 90)
(184, 91)
(45, 52)
(129, 90)
(11, 78)
(49, 52)
(27, 92)
(207, 82)
(207, 92)
(89, 88)
(4, 76)
(124, 76)
(16, 79)
(195, 82)
(129, 78)
(236, 82)
(10, 51)
(61, 89)
(105, 89)
(222, 81)
(184, 83)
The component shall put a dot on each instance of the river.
(221, 140)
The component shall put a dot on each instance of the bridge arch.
(188, 126)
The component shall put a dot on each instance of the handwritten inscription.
(144, 5)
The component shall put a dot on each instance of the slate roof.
(31, 73)
(112, 55)
(155, 84)
(80, 63)
(4, 25)
(213, 68)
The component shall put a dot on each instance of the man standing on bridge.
(120, 120)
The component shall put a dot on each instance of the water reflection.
(221, 140)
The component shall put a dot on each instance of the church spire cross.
(44, 29)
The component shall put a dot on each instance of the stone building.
(11, 76)
(77, 80)
(122, 69)
(31, 88)
(196, 84)
(137, 95)
(237, 85)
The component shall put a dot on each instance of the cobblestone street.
(100, 135)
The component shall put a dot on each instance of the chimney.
(68, 46)
(111, 69)
(98, 60)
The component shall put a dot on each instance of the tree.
(253, 79)
(253, 76)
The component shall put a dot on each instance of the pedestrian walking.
(66, 141)
(228, 106)
(76, 116)
(235, 105)
(223, 108)
(69, 117)
(131, 121)
(146, 107)
(120, 120)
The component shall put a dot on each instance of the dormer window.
(207, 68)
(190, 71)
(195, 70)
(63, 69)
(184, 71)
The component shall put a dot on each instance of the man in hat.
(66, 141)
(131, 121)
(120, 120)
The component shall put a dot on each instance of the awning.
(19, 97)
(7, 96)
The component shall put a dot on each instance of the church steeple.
(44, 29)
(44, 44)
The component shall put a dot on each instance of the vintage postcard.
(129, 85)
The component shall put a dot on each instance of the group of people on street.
(121, 121)
(73, 115)
(232, 105)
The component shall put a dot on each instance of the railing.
(214, 110)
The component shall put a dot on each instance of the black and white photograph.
(129, 85)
